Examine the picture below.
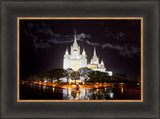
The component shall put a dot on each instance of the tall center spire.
(94, 54)
(75, 31)
(75, 39)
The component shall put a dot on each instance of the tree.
(37, 79)
(69, 72)
(119, 77)
(84, 72)
(58, 73)
(97, 76)
(46, 75)
(75, 75)
(32, 78)
(93, 76)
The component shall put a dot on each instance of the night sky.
(44, 42)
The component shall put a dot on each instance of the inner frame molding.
(76, 18)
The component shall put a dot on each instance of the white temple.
(75, 60)
(95, 65)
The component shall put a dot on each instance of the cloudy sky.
(43, 44)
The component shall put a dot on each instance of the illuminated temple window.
(92, 66)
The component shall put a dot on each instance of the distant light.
(83, 91)
(97, 89)
(111, 95)
(44, 87)
(53, 89)
(110, 73)
(74, 85)
(122, 90)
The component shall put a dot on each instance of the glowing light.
(77, 93)
(92, 66)
(44, 87)
(122, 90)
(83, 91)
(69, 91)
(74, 85)
(111, 95)
(105, 89)
(53, 89)
(97, 89)
(44, 84)
(39, 87)
(121, 86)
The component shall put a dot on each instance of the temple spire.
(94, 54)
(75, 39)
(102, 63)
(83, 52)
(75, 31)
(67, 53)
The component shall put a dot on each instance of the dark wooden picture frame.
(10, 10)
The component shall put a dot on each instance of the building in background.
(94, 63)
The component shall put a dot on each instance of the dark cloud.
(130, 51)
(55, 38)
(115, 36)
(125, 50)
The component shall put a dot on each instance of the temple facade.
(95, 64)
(76, 60)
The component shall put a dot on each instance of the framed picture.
(83, 59)
(78, 76)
